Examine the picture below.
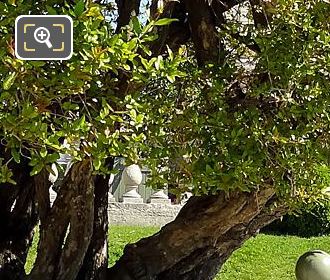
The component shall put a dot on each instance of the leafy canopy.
(259, 117)
(80, 100)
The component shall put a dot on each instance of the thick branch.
(224, 5)
(81, 222)
(259, 14)
(96, 258)
(125, 10)
(175, 34)
(205, 263)
(202, 228)
(42, 185)
(202, 23)
(75, 190)
(18, 217)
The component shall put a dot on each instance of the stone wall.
(131, 202)
(142, 214)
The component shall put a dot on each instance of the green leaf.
(95, 12)
(79, 8)
(51, 158)
(16, 155)
(97, 163)
(51, 10)
(82, 121)
(136, 25)
(37, 63)
(36, 169)
(171, 79)
(6, 175)
(43, 152)
(165, 21)
(11, 181)
(9, 81)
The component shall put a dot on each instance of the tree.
(226, 98)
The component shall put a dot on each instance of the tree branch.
(202, 24)
(42, 185)
(81, 222)
(75, 186)
(125, 10)
(175, 34)
(259, 15)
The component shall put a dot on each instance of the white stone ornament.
(53, 176)
(313, 265)
(132, 178)
(160, 197)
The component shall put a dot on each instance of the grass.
(270, 257)
(264, 257)
(121, 235)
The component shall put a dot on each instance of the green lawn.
(264, 257)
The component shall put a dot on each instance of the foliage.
(81, 100)
(230, 125)
(252, 261)
(248, 113)
(243, 125)
(313, 221)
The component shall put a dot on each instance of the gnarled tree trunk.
(202, 237)
(66, 231)
(96, 259)
(18, 217)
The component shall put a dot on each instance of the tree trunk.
(202, 237)
(66, 233)
(202, 23)
(125, 10)
(18, 217)
(96, 259)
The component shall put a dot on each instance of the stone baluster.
(132, 178)
(160, 197)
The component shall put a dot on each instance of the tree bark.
(202, 237)
(174, 34)
(96, 259)
(18, 217)
(60, 256)
(202, 23)
(125, 9)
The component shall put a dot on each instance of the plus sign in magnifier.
(42, 35)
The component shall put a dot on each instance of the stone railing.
(129, 186)
(131, 202)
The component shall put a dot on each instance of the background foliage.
(308, 222)
(259, 117)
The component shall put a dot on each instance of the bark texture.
(126, 9)
(96, 259)
(195, 245)
(202, 23)
(18, 217)
(65, 234)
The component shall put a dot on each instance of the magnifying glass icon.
(41, 35)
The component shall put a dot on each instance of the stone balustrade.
(131, 202)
